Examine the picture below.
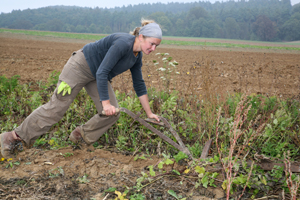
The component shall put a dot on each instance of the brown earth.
(271, 72)
(203, 71)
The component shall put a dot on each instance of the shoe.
(7, 142)
(75, 136)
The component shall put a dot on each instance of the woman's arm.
(145, 103)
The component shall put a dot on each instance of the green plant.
(165, 161)
(59, 170)
(40, 142)
(83, 179)
(172, 193)
(292, 180)
(56, 143)
(230, 162)
(275, 143)
(205, 177)
(11, 163)
(180, 156)
(7, 86)
(121, 196)
(66, 154)
(137, 196)
(140, 157)
(196, 149)
(121, 142)
(21, 182)
(111, 189)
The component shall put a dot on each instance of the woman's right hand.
(108, 108)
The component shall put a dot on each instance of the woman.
(92, 67)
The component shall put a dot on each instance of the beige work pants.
(77, 74)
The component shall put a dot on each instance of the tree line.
(264, 20)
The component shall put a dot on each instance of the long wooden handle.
(117, 111)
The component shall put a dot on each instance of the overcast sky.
(9, 5)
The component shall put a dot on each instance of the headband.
(151, 30)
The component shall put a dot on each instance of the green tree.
(107, 30)
(291, 28)
(55, 25)
(180, 26)
(69, 28)
(93, 28)
(163, 21)
(41, 27)
(264, 28)
(81, 29)
(21, 24)
(296, 8)
(218, 31)
(197, 13)
(231, 28)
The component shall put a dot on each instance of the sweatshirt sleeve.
(137, 79)
(114, 54)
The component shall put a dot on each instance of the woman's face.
(149, 44)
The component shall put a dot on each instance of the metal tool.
(180, 146)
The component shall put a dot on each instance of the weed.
(83, 179)
(111, 189)
(180, 156)
(137, 196)
(178, 197)
(11, 164)
(7, 86)
(139, 157)
(292, 180)
(66, 154)
(21, 182)
(60, 172)
(121, 196)
(230, 162)
(121, 142)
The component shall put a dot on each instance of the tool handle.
(117, 111)
(153, 121)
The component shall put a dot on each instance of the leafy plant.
(111, 189)
(172, 193)
(7, 86)
(121, 142)
(120, 196)
(166, 161)
(140, 157)
(83, 179)
(11, 163)
(67, 154)
(180, 156)
(230, 162)
(137, 196)
(59, 170)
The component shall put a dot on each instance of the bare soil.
(203, 70)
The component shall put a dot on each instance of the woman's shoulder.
(124, 38)
(122, 35)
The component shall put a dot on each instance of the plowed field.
(201, 71)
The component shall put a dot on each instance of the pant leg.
(98, 125)
(44, 117)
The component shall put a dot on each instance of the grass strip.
(226, 45)
(56, 34)
(168, 42)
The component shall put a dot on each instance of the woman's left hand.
(153, 116)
